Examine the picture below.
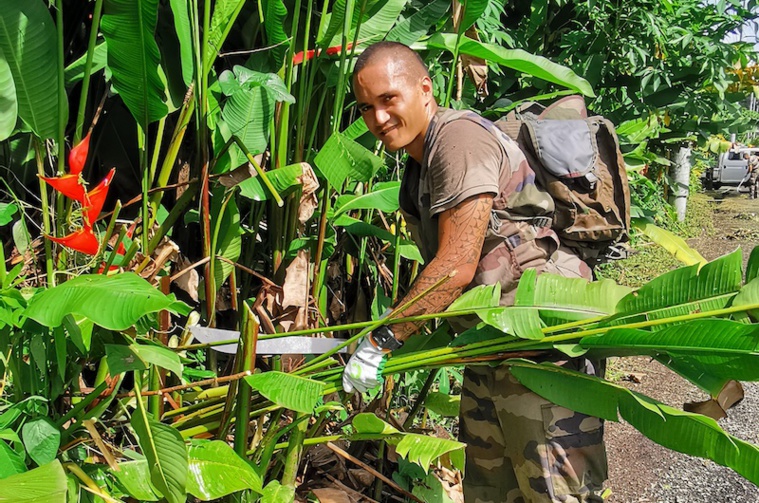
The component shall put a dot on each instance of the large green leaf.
(29, 46)
(286, 390)
(113, 302)
(443, 403)
(376, 23)
(46, 484)
(248, 113)
(166, 454)
(342, 157)
(748, 296)
(673, 243)
(274, 24)
(134, 478)
(423, 450)
(224, 14)
(229, 238)
(283, 179)
(562, 299)
(685, 432)
(723, 348)
(179, 9)
(75, 71)
(473, 9)
(274, 492)
(479, 297)
(11, 460)
(752, 267)
(516, 59)
(337, 20)
(8, 101)
(384, 197)
(415, 26)
(683, 291)
(216, 471)
(41, 440)
(360, 228)
(133, 58)
(367, 423)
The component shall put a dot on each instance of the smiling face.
(396, 105)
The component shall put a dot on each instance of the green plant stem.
(249, 339)
(157, 151)
(295, 450)
(87, 70)
(89, 483)
(260, 171)
(81, 405)
(45, 212)
(142, 141)
(420, 399)
(454, 63)
(107, 237)
(185, 114)
(377, 323)
(62, 98)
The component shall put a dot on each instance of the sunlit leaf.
(369, 424)
(46, 484)
(342, 157)
(416, 26)
(423, 450)
(384, 197)
(685, 432)
(134, 478)
(165, 451)
(133, 58)
(41, 440)
(274, 492)
(671, 242)
(29, 48)
(216, 471)
(8, 104)
(289, 391)
(113, 302)
(443, 404)
(516, 59)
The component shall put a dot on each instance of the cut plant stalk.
(249, 339)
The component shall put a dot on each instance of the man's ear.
(427, 87)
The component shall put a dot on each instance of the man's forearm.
(435, 301)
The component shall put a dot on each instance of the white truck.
(731, 168)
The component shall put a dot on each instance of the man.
(753, 169)
(470, 199)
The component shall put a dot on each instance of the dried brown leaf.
(331, 495)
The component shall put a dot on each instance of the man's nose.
(380, 115)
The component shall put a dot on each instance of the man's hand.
(364, 369)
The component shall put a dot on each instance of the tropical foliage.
(173, 162)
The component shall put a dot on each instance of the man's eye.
(363, 109)
(389, 98)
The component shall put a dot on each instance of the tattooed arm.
(461, 233)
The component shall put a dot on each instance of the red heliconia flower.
(331, 51)
(83, 240)
(95, 199)
(78, 155)
(129, 233)
(68, 185)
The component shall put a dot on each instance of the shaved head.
(406, 61)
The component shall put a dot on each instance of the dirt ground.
(639, 469)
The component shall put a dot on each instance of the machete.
(281, 345)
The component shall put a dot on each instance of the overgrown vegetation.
(246, 196)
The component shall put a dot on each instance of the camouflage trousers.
(522, 448)
(753, 184)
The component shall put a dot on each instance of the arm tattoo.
(461, 235)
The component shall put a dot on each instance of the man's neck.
(416, 148)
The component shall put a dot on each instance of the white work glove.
(364, 369)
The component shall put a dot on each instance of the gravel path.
(642, 471)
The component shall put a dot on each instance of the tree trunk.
(680, 172)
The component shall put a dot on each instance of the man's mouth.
(387, 130)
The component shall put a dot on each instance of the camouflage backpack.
(576, 158)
